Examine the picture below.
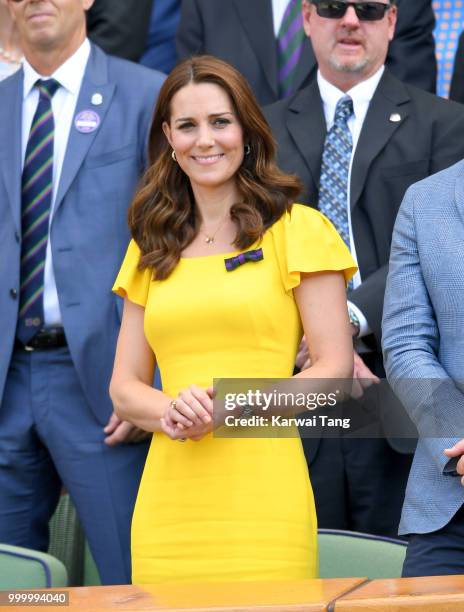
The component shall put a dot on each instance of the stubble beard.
(356, 67)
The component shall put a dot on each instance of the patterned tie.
(37, 185)
(333, 187)
(289, 44)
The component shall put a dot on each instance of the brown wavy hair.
(162, 218)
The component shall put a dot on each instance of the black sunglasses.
(365, 11)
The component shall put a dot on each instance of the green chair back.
(23, 568)
(91, 575)
(345, 554)
(67, 540)
(68, 543)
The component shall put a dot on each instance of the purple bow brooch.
(238, 260)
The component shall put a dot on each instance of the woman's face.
(206, 135)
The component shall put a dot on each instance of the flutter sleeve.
(131, 282)
(306, 241)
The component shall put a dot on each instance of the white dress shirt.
(361, 95)
(69, 75)
(278, 9)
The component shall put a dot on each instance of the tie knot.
(343, 110)
(47, 89)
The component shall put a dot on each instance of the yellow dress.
(228, 509)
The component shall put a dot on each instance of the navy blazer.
(88, 230)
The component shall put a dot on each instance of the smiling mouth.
(208, 159)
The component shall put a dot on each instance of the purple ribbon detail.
(238, 260)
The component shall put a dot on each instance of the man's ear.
(392, 18)
(306, 11)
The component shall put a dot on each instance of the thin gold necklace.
(210, 238)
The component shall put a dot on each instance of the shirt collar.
(361, 94)
(69, 75)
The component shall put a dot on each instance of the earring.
(173, 155)
(247, 149)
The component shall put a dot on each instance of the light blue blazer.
(88, 231)
(423, 340)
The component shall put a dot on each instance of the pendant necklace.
(210, 238)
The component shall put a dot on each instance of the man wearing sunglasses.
(73, 130)
(245, 34)
(392, 135)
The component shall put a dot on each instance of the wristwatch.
(354, 320)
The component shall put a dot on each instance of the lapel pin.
(395, 117)
(97, 99)
(87, 121)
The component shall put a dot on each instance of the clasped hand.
(363, 377)
(190, 415)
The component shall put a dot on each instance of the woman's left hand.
(193, 403)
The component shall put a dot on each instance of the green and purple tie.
(289, 44)
(36, 199)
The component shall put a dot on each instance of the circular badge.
(87, 121)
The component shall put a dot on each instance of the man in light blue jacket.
(423, 342)
(73, 130)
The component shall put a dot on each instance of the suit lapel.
(307, 126)
(95, 81)
(257, 21)
(10, 139)
(389, 100)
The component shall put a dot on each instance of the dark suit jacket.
(120, 27)
(457, 81)
(389, 157)
(241, 32)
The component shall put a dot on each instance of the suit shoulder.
(432, 103)
(276, 113)
(439, 185)
(10, 82)
(275, 110)
(211, 12)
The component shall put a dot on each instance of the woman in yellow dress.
(211, 508)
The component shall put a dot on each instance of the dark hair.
(162, 217)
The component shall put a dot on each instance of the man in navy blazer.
(404, 134)
(56, 418)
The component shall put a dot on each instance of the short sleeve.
(131, 282)
(306, 241)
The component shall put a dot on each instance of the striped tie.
(37, 185)
(289, 44)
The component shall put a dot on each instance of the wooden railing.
(436, 594)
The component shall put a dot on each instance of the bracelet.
(354, 320)
(247, 412)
